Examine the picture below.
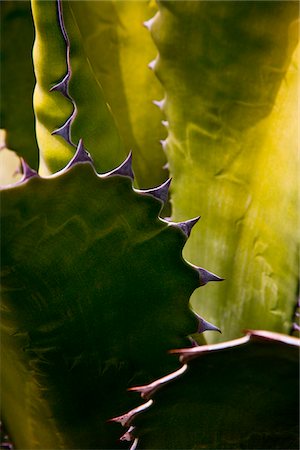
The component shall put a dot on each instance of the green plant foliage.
(231, 95)
(93, 117)
(241, 394)
(119, 48)
(17, 79)
(95, 292)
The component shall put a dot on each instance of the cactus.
(95, 290)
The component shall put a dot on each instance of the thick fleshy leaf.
(95, 291)
(231, 104)
(65, 78)
(119, 48)
(17, 79)
(241, 394)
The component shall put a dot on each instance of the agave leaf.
(75, 79)
(119, 49)
(231, 102)
(240, 394)
(17, 79)
(94, 293)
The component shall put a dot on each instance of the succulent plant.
(95, 290)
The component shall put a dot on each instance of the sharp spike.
(65, 131)
(206, 276)
(152, 64)
(128, 436)
(163, 144)
(165, 123)
(148, 390)
(81, 156)
(186, 226)
(166, 166)
(63, 86)
(148, 23)
(159, 192)
(205, 326)
(28, 172)
(125, 419)
(159, 103)
(296, 327)
(124, 169)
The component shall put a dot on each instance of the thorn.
(63, 86)
(186, 226)
(163, 144)
(166, 166)
(125, 419)
(28, 172)
(206, 276)
(165, 123)
(205, 326)
(65, 131)
(159, 103)
(159, 192)
(148, 390)
(81, 156)
(124, 169)
(128, 436)
(151, 65)
(296, 327)
(148, 23)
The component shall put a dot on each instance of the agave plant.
(95, 290)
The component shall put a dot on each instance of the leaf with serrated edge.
(230, 76)
(91, 117)
(234, 395)
(95, 291)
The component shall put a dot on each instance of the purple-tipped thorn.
(65, 131)
(296, 327)
(165, 123)
(28, 172)
(81, 156)
(187, 226)
(160, 192)
(166, 166)
(124, 169)
(206, 276)
(63, 86)
(203, 325)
